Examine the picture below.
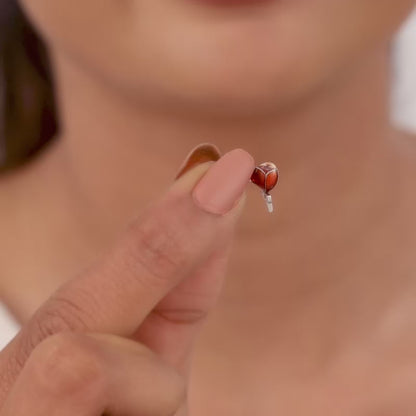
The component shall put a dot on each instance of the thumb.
(164, 245)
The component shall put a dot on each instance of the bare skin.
(317, 313)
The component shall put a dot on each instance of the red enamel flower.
(265, 176)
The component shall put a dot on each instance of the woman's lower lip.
(233, 2)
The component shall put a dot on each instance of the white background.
(404, 92)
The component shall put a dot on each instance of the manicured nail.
(224, 183)
(204, 152)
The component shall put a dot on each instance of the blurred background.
(404, 92)
(403, 105)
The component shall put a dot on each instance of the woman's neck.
(335, 154)
(117, 154)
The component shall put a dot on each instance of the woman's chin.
(236, 93)
(206, 100)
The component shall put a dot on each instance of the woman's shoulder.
(14, 184)
(406, 146)
(406, 176)
(9, 212)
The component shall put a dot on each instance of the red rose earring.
(265, 176)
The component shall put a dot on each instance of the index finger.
(158, 250)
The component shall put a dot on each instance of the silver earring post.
(269, 201)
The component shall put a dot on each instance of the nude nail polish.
(224, 183)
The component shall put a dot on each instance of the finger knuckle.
(182, 316)
(161, 246)
(65, 364)
(59, 314)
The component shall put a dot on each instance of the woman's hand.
(118, 338)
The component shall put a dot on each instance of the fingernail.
(202, 153)
(224, 183)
